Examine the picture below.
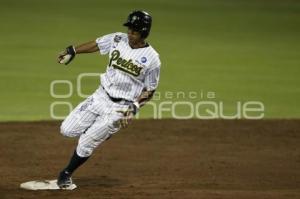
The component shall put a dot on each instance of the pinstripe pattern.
(94, 124)
(120, 84)
(96, 118)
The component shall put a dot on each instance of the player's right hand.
(126, 119)
(67, 55)
(128, 115)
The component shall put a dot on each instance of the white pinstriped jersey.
(129, 71)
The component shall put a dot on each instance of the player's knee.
(87, 143)
(84, 151)
(66, 130)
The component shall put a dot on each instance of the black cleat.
(64, 179)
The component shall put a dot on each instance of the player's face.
(134, 37)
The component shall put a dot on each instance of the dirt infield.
(160, 159)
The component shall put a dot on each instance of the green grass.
(243, 50)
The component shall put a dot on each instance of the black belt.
(116, 99)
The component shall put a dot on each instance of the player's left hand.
(128, 115)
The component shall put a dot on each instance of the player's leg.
(79, 120)
(100, 131)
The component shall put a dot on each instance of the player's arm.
(133, 109)
(89, 47)
(143, 98)
(102, 44)
(151, 83)
(70, 52)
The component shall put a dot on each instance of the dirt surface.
(160, 159)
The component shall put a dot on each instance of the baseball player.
(130, 80)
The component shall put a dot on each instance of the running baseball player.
(130, 80)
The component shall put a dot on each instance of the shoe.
(64, 179)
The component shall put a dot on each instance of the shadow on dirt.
(98, 181)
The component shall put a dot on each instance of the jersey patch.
(143, 60)
(117, 38)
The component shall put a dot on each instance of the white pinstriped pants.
(94, 120)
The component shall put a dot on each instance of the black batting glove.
(67, 55)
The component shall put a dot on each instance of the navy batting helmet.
(139, 21)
